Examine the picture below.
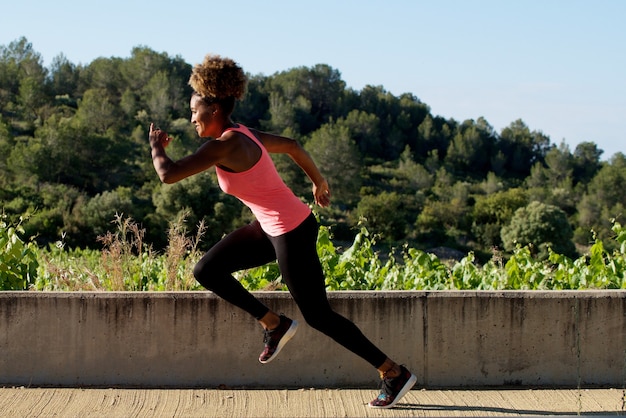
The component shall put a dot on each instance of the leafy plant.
(126, 263)
(18, 259)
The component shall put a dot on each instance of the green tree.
(492, 184)
(435, 135)
(445, 215)
(494, 211)
(52, 214)
(97, 215)
(253, 110)
(398, 118)
(604, 201)
(540, 226)
(470, 151)
(155, 87)
(63, 77)
(63, 152)
(551, 182)
(364, 128)
(6, 144)
(22, 82)
(338, 157)
(522, 147)
(382, 214)
(103, 74)
(411, 176)
(283, 112)
(304, 98)
(586, 162)
(97, 111)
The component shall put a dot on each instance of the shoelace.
(386, 387)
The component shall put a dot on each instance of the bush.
(540, 227)
(18, 259)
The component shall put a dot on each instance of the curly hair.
(218, 78)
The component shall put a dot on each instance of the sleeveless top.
(261, 188)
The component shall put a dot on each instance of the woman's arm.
(281, 145)
(169, 171)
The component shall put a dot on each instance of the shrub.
(540, 227)
(18, 259)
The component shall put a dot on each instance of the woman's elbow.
(167, 178)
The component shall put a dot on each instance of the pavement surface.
(70, 402)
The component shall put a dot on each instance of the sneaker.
(276, 339)
(394, 388)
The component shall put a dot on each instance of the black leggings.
(301, 270)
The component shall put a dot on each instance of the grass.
(125, 263)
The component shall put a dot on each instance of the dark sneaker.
(392, 389)
(276, 339)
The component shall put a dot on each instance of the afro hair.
(218, 78)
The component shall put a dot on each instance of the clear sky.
(559, 65)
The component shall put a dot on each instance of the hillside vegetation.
(74, 164)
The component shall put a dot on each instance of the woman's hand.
(157, 136)
(321, 193)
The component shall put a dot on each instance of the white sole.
(288, 335)
(407, 387)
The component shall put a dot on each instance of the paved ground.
(48, 402)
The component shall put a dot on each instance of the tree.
(540, 226)
(253, 109)
(6, 144)
(51, 214)
(586, 162)
(470, 151)
(159, 98)
(382, 214)
(551, 182)
(335, 152)
(304, 98)
(22, 81)
(435, 134)
(283, 113)
(494, 211)
(411, 176)
(103, 74)
(97, 111)
(31, 97)
(156, 84)
(604, 201)
(445, 216)
(522, 148)
(398, 116)
(63, 77)
(364, 128)
(95, 217)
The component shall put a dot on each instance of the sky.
(558, 65)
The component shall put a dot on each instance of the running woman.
(284, 228)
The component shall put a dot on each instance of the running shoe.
(276, 338)
(394, 388)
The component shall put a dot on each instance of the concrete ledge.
(195, 339)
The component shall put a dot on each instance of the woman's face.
(203, 117)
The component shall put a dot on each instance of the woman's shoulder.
(242, 132)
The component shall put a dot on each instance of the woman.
(284, 230)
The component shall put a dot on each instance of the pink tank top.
(261, 188)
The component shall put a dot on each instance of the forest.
(74, 154)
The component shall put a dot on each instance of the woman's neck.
(229, 124)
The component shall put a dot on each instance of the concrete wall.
(194, 339)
